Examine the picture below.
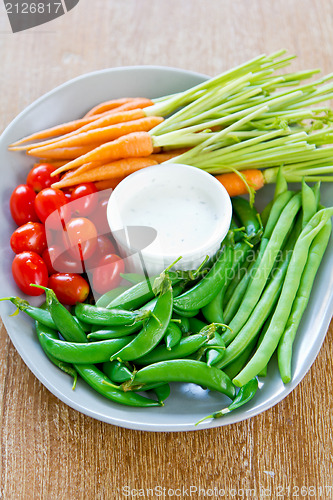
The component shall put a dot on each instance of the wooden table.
(51, 451)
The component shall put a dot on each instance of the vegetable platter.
(188, 403)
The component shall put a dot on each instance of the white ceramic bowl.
(188, 403)
(191, 211)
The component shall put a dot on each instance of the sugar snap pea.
(117, 371)
(38, 314)
(183, 370)
(154, 329)
(107, 297)
(109, 317)
(93, 352)
(45, 332)
(102, 384)
(162, 392)
(172, 335)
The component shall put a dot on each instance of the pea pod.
(172, 335)
(109, 317)
(107, 297)
(183, 370)
(38, 314)
(196, 325)
(102, 384)
(213, 356)
(244, 395)
(117, 372)
(64, 321)
(186, 347)
(93, 352)
(162, 392)
(184, 324)
(44, 332)
(133, 278)
(248, 217)
(154, 330)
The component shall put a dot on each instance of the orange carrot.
(104, 121)
(236, 186)
(119, 168)
(108, 183)
(61, 153)
(61, 129)
(136, 102)
(135, 144)
(168, 155)
(105, 134)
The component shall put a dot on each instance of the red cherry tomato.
(107, 275)
(29, 267)
(58, 260)
(69, 288)
(104, 247)
(84, 199)
(22, 205)
(40, 178)
(81, 235)
(31, 236)
(50, 200)
(99, 218)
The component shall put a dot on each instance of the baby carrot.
(136, 144)
(108, 183)
(63, 153)
(104, 121)
(61, 129)
(125, 103)
(119, 168)
(104, 134)
(236, 186)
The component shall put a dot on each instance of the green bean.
(309, 203)
(109, 317)
(237, 343)
(44, 332)
(116, 371)
(183, 370)
(288, 294)
(315, 256)
(154, 330)
(172, 335)
(107, 297)
(102, 384)
(235, 281)
(244, 395)
(263, 372)
(93, 352)
(278, 206)
(280, 187)
(238, 364)
(316, 192)
(213, 312)
(186, 347)
(237, 297)
(267, 260)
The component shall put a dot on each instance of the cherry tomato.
(107, 275)
(104, 247)
(31, 236)
(50, 200)
(58, 260)
(29, 267)
(69, 288)
(99, 217)
(81, 236)
(40, 178)
(22, 205)
(84, 199)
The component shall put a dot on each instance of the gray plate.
(188, 403)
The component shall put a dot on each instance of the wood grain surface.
(50, 451)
